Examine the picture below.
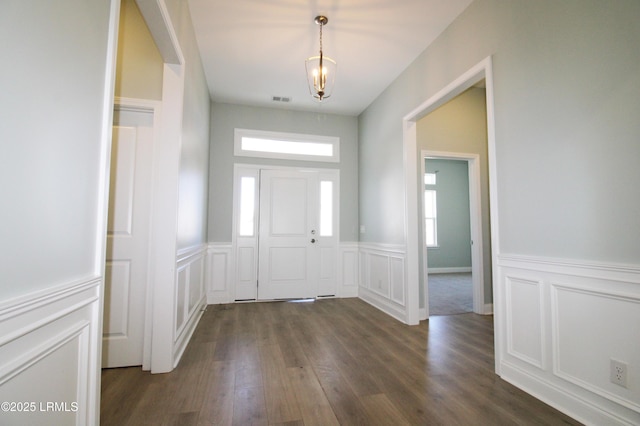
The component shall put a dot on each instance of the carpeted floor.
(450, 294)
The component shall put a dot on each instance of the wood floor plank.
(247, 362)
(312, 401)
(380, 410)
(279, 396)
(249, 406)
(344, 402)
(217, 407)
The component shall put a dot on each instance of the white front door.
(127, 239)
(288, 236)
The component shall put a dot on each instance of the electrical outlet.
(618, 373)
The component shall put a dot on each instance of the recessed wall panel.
(524, 325)
(397, 280)
(590, 329)
(181, 297)
(379, 278)
(195, 283)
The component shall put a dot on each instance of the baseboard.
(488, 309)
(453, 270)
(383, 304)
(187, 332)
(422, 314)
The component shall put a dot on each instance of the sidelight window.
(247, 206)
(326, 208)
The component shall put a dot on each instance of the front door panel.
(288, 258)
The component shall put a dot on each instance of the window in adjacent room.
(430, 210)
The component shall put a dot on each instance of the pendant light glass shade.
(321, 70)
(320, 82)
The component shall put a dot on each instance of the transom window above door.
(286, 146)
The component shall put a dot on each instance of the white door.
(127, 239)
(288, 249)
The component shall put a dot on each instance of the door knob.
(313, 240)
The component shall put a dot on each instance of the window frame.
(238, 150)
(430, 191)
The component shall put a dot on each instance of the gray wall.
(194, 152)
(51, 108)
(226, 117)
(453, 222)
(139, 75)
(567, 96)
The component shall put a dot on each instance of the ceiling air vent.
(281, 99)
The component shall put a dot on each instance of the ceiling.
(253, 50)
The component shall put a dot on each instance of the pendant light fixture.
(321, 70)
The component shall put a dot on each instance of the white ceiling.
(253, 50)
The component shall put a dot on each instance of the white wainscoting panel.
(220, 284)
(190, 297)
(525, 328)
(379, 276)
(348, 266)
(218, 274)
(396, 273)
(48, 342)
(613, 320)
(245, 268)
(562, 324)
(383, 279)
(328, 282)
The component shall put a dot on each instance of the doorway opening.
(416, 309)
(456, 270)
(126, 340)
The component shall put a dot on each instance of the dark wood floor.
(336, 361)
